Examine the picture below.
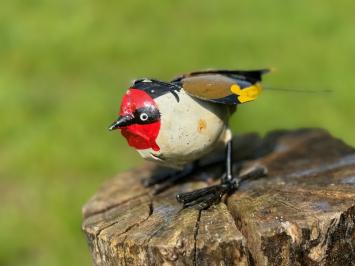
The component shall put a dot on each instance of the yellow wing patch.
(247, 94)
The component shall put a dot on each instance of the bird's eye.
(143, 117)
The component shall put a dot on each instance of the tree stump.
(302, 213)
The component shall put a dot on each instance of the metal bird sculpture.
(177, 123)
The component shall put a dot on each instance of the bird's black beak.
(122, 121)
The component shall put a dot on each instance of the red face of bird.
(139, 120)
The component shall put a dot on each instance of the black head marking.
(156, 88)
(146, 115)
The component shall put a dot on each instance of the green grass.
(65, 64)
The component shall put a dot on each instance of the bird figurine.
(177, 123)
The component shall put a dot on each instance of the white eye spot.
(143, 116)
(146, 80)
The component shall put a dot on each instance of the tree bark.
(302, 213)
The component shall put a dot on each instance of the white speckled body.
(190, 129)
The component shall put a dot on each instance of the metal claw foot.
(205, 197)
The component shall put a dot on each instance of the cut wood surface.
(302, 213)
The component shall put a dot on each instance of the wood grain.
(302, 213)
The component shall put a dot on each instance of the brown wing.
(222, 86)
(209, 86)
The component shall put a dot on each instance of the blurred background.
(64, 66)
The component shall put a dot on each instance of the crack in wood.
(101, 230)
(246, 244)
(196, 230)
(151, 209)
